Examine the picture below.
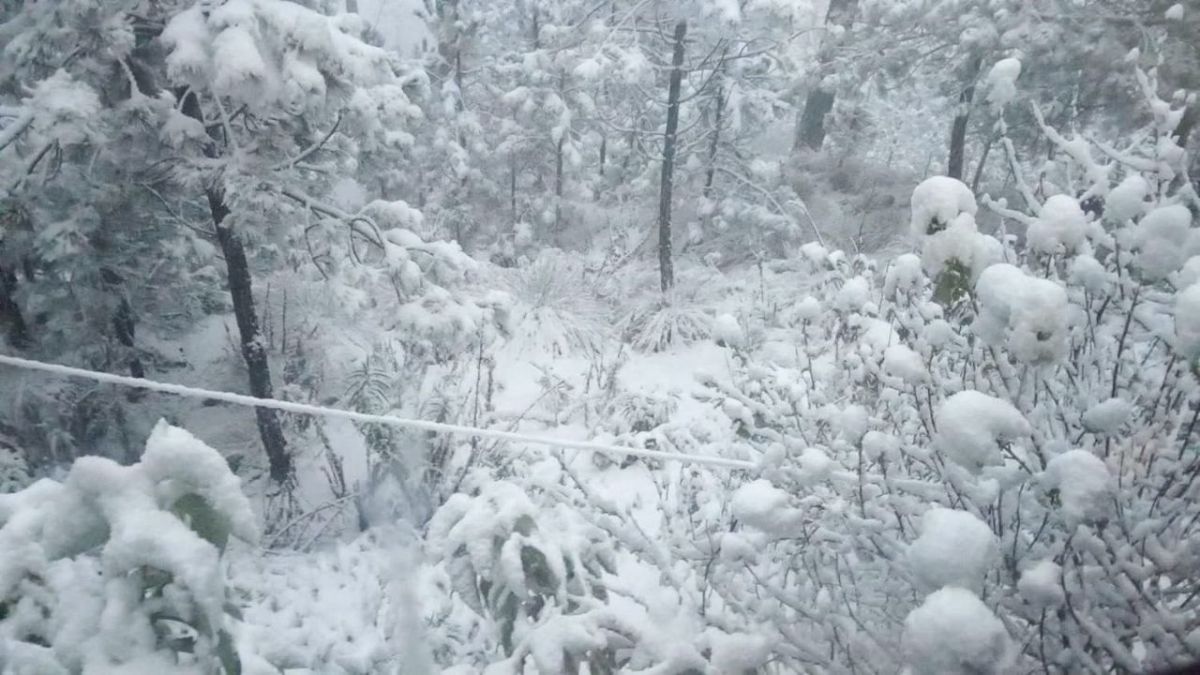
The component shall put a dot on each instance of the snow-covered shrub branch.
(120, 567)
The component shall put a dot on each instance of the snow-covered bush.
(535, 575)
(119, 567)
(658, 323)
(995, 473)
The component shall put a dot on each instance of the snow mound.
(1084, 486)
(971, 426)
(1059, 228)
(1002, 82)
(1187, 321)
(955, 548)
(878, 445)
(959, 242)
(938, 201)
(1107, 416)
(1026, 314)
(954, 632)
(1161, 240)
(736, 652)
(902, 362)
(764, 507)
(815, 464)
(727, 331)
(1087, 272)
(1127, 200)
(904, 274)
(853, 295)
(1040, 584)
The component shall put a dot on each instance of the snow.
(1187, 321)
(1127, 201)
(959, 242)
(937, 201)
(970, 426)
(178, 464)
(815, 464)
(1002, 82)
(1161, 240)
(1084, 486)
(1041, 584)
(902, 362)
(877, 445)
(1174, 12)
(1059, 228)
(904, 274)
(853, 295)
(851, 422)
(1027, 314)
(736, 652)
(1107, 416)
(808, 309)
(94, 536)
(1188, 274)
(815, 254)
(955, 548)
(764, 507)
(62, 108)
(954, 632)
(727, 331)
(1087, 272)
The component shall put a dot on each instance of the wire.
(390, 420)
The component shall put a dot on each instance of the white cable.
(306, 409)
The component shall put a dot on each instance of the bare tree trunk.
(987, 149)
(810, 128)
(558, 165)
(1186, 124)
(714, 143)
(666, 270)
(512, 186)
(537, 28)
(253, 351)
(958, 132)
(558, 184)
(10, 311)
(241, 292)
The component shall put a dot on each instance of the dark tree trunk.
(537, 29)
(10, 311)
(512, 187)
(958, 132)
(603, 153)
(714, 143)
(810, 131)
(558, 167)
(1186, 124)
(241, 292)
(253, 350)
(558, 185)
(987, 149)
(817, 105)
(666, 270)
(124, 323)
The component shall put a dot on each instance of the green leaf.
(227, 653)
(953, 284)
(538, 575)
(506, 615)
(234, 611)
(209, 523)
